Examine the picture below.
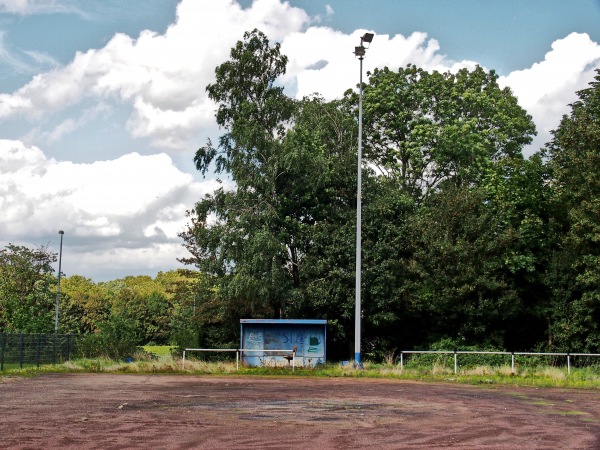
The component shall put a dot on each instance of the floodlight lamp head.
(61, 232)
(368, 38)
(359, 51)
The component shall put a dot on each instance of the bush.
(465, 360)
(117, 339)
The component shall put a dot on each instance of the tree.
(145, 301)
(478, 257)
(84, 304)
(280, 243)
(423, 128)
(242, 246)
(441, 144)
(26, 289)
(574, 276)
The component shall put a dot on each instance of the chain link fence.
(26, 350)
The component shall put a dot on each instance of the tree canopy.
(442, 160)
(574, 273)
(424, 128)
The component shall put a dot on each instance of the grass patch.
(159, 350)
(155, 360)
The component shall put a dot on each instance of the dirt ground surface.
(122, 411)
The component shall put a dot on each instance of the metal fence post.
(455, 363)
(37, 350)
(401, 360)
(21, 351)
(512, 362)
(568, 363)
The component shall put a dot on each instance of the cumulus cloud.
(134, 203)
(547, 88)
(322, 60)
(163, 76)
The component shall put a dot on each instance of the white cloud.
(134, 202)
(162, 76)
(547, 88)
(322, 60)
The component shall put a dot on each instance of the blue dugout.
(270, 342)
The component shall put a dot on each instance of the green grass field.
(163, 362)
(158, 359)
(159, 350)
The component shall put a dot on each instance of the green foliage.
(454, 218)
(117, 338)
(27, 298)
(83, 305)
(244, 247)
(473, 265)
(281, 241)
(424, 128)
(574, 273)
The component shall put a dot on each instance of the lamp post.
(359, 52)
(61, 232)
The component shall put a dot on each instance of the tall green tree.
(242, 246)
(574, 276)
(444, 147)
(279, 243)
(84, 304)
(27, 286)
(479, 253)
(424, 128)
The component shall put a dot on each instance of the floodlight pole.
(61, 232)
(360, 53)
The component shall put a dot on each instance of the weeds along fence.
(22, 350)
(478, 358)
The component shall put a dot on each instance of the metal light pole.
(360, 53)
(61, 232)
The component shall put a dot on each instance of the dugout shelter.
(274, 342)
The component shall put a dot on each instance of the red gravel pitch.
(87, 411)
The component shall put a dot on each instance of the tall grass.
(539, 376)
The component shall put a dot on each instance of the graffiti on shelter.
(313, 344)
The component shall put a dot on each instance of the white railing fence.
(512, 355)
(238, 351)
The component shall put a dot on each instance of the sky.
(103, 103)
